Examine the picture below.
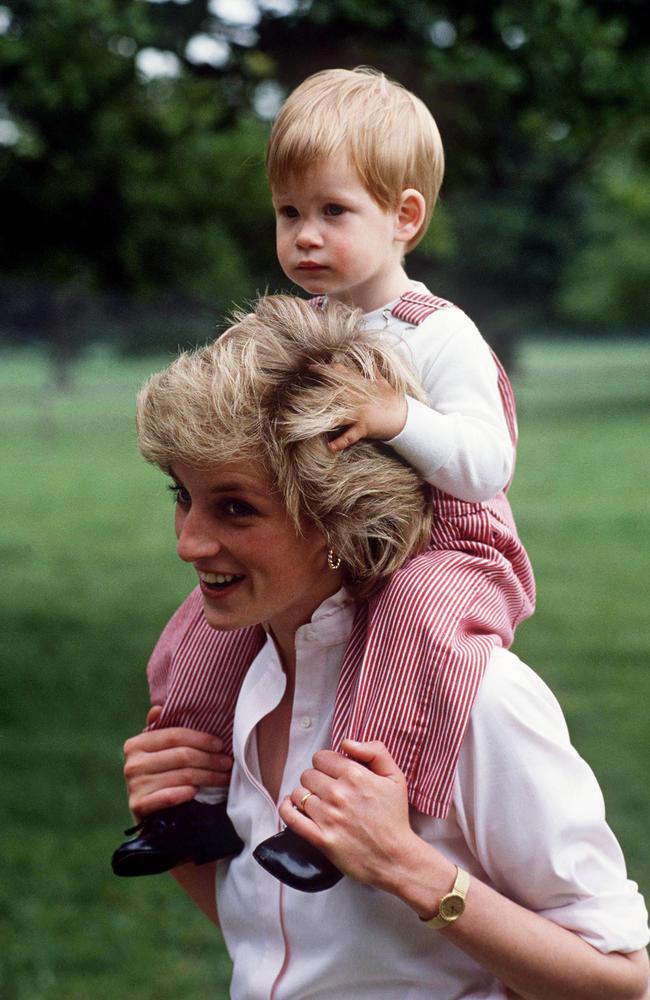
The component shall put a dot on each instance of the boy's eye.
(288, 212)
(333, 209)
(180, 494)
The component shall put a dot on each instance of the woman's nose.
(196, 538)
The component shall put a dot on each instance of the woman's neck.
(285, 643)
(284, 628)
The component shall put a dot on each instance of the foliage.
(608, 280)
(118, 183)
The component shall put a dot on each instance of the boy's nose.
(194, 538)
(308, 236)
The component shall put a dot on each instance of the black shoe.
(194, 831)
(296, 862)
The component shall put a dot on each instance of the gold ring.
(301, 804)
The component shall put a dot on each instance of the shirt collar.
(331, 622)
(377, 317)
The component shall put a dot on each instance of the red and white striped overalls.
(418, 649)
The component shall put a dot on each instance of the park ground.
(90, 576)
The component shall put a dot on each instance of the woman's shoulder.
(514, 705)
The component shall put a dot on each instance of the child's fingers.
(335, 366)
(349, 436)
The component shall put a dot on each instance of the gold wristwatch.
(452, 906)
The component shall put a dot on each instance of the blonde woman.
(521, 890)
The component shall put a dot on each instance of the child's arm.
(460, 441)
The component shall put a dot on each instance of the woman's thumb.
(153, 715)
(374, 755)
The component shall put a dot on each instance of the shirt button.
(305, 722)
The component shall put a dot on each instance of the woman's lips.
(215, 586)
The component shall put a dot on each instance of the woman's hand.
(164, 767)
(359, 817)
(357, 812)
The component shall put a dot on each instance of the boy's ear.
(410, 214)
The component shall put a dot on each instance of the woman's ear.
(410, 215)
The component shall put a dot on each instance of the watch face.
(451, 907)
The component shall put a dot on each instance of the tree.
(119, 183)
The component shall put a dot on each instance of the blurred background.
(133, 214)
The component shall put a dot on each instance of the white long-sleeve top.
(460, 441)
(527, 818)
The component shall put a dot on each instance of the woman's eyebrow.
(236, 486)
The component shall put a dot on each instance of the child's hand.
(382, 420)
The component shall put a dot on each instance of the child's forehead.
(334, 172)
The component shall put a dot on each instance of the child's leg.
(431, 631)
(195, 674)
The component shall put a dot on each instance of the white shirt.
(527, 818)
(460, 441)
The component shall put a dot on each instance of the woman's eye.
(180, 494)
(333, 209)
(238, 508)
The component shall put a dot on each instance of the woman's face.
(252, 565)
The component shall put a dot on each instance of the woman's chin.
(225, 620)
(220, 620)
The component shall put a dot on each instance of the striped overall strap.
(415, 307)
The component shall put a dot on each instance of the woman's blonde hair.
(271, 391)
(389, 134)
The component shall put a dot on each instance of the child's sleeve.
(460, 442)
(160, 661)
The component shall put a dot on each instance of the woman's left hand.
(357, 812)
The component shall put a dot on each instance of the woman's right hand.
(164, 767)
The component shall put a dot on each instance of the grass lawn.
(90, 576)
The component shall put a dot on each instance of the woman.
(521, 890)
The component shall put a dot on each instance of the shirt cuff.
(422, 442)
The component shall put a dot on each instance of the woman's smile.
(215, 586)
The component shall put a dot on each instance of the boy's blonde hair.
(265, 393)
(389, 134)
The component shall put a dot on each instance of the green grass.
(90, 576)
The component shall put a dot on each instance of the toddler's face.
(333, 238)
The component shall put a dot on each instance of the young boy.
(355, 163)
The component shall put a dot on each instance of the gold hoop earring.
(333, 561)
